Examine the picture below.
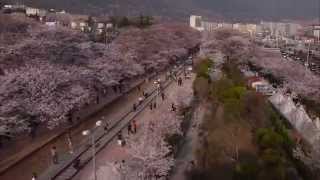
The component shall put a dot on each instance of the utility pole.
(307, 65)
(318, 21)
(93, 144)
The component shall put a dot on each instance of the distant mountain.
(231, 9)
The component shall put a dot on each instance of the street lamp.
(158, 88)
(308, 55)
(91, 132)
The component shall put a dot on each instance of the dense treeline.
(48, 72)
(243, 137)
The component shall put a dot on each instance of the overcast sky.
(265, 8)
(293, 9)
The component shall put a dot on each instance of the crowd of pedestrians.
(131, 129)
(132, 126)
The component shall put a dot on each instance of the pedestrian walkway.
(40, 160)
(113, 152)
(65, 169)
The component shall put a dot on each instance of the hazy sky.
(230, 8)
(265, 8)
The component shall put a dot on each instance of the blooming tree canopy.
(47, 73)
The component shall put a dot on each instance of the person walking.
(69, 117)
(134, 107)
(116, 166)
(173, 107)
(162, 96)
(34, 176)
(129, 128)
(151, 106)
(145, 94)
(161, 88)
(154, 105)
(98, 99)
(122, 164)
(140, 100)
(175, 75)
(69, 142)
(120, 143)
(120, 87)
(54, 155)
(76, 164)
(180, 81)
(134, 126)
(106, 126)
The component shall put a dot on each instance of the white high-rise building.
(293, 29)
(281, 29)
(316, 31)
(196, 22)
(209, 26)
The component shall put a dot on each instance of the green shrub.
(280, 128)
(233, 109)
(203, 68)
(218, 88)
(272, 157)
(233, 93)
(246, 171)
(267, 138)
(232, 71)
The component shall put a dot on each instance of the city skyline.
(229, 9)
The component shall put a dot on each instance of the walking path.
(113, 152)
(40, 160)
(66, 169)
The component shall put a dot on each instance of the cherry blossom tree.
(48, 73)
(150, 151)
(149, 147)
(295, 76)
(229, 42)
(237, 46)
(311, 159)
(153, 153)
